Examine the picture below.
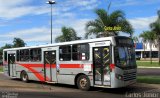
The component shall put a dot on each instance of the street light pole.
(51, 23)
(51, 3)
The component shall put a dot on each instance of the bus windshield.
(125, 55)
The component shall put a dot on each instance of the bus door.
(101, 61)
(50, 66)
(11, 65)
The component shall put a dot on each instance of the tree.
(144, 40)
(151, 40)
(17, 42)
(108, 24)
(149, 36)
(69, 34)
(4, 47)
(155, 26)
(135, 39)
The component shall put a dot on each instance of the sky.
(30, 19)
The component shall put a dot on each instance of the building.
(143, 50)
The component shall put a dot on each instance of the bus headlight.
(118, 76)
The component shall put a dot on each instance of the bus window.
(17, 55)
(24, 55)
(80, 52)
(5, 56)
(65, 53)
(35, 55)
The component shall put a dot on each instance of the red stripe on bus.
(48, 65)
(39, 65)
(36, 73)
(54, 65)
(71, 66)
(33, 65)
(74, 65)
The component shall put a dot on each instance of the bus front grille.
(129, 76)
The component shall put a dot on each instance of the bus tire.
(24, 77)
(83, 82)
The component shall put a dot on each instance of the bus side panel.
(68, 75)
(5, 69)
(19, 68)
(69, 79)
(66, 79)
(31, 74)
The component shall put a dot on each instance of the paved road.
(18, 89)
(149, 71)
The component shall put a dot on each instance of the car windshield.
(125, 56)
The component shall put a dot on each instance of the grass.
(149, 79)
(1, 68)
(147, 64)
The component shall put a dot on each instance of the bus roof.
(65, 43)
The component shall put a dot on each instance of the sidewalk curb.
(148, 67)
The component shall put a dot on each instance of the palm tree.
(104, 24)
(17, 42)
(149, 36)
(144, 40)
(151, 40)
(155, 26)
(69, 34)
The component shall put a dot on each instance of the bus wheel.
(24, 77)
(83, 82)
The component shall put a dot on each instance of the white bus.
(107, 62)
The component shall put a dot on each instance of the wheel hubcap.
(25, 77)
(83, 82)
